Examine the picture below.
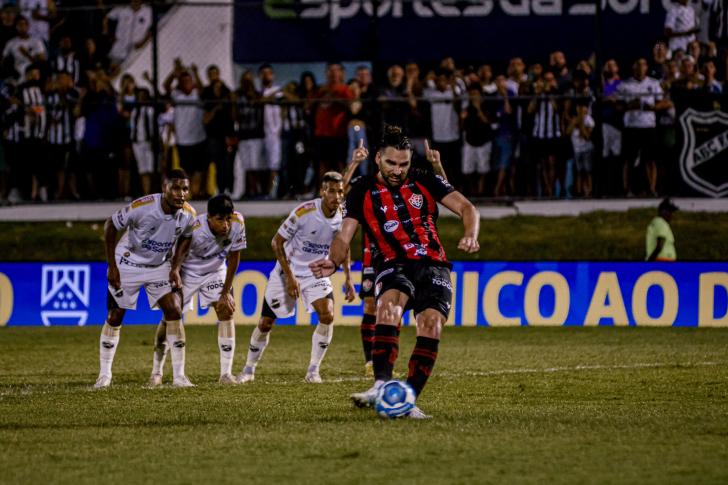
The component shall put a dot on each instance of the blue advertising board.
(484, 294)
(429, 30)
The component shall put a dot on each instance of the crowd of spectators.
(520, 131)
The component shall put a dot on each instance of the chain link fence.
(258, 99)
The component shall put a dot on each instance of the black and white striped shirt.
(141, 123)
(33, 102)
(69, 64)
(61, 120)
(546, 121)
(293, 117)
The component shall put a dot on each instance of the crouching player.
(154, 224)
(305, 236)
(208, 270)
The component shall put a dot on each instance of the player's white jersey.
(209, 252)
(309, 234)
(150, 233)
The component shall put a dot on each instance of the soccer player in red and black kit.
(398, 210)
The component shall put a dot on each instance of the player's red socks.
(368, 322)
(385, 351)
(421, 362)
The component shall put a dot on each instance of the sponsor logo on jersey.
(143, 201)
(391, 226)
(442, 282)
(416, 201)
(305, 209)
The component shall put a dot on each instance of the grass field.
(598, 236)
(525, 405)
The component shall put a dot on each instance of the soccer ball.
(394, 400)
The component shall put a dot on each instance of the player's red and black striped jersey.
(400, 221)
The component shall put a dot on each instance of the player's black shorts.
(427, 285)
(367, 282)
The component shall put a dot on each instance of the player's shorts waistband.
(126, 262)
(413, 263)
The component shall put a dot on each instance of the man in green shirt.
(660, 241)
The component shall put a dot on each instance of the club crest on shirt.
(415, 201)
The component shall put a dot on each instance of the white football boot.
(226, 379)
(102, 382)
(248, 375)
(416, 413)
(182, 381)
(155, 380)
(366, 399)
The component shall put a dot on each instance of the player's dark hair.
(332, 177)
(220, 205)
(394, 137)
(264, 66)
(177, 173)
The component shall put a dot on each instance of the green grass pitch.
(523, 405)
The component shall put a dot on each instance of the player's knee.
(370, 307)
(224, 314)
(265, 324)
(174, 312)
(327, 318)
(430, 324)
(115, 317)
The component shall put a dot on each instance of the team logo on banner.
(704, 156)
(416, 201)
(65, 293)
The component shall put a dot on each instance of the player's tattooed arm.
(180, 254)
(291, 282)
(349, 292)
(110, 233)
(456, 202)
(433, 156)
(339, 248)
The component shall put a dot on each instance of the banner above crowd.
(429, 30)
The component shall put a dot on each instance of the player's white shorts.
(476, 159)
(155, 280)
(208, 286)
(311, 289)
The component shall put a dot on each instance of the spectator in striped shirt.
(61, 100)
(66, 60)
(32, 97)
(547, 131)
(141, 131)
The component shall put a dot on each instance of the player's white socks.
(176, 344)
(258, 343)
(226, 344)
(108, 343)
(160, 349)
(320, 341)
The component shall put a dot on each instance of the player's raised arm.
(359, 155)
(433, 156)
(338, 252)
(456, 202)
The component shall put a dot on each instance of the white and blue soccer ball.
(395, 399)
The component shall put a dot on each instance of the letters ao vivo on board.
(484, 293)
